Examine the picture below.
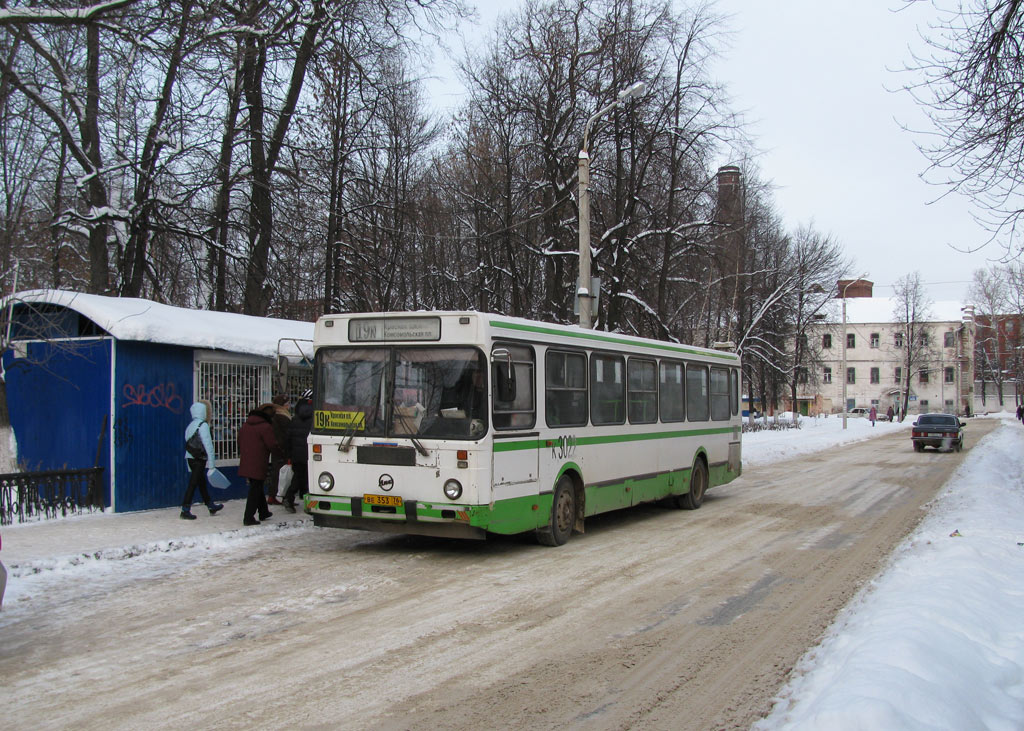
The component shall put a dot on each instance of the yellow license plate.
(382, 500)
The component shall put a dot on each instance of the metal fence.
(55, 493)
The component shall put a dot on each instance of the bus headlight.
(452, 490)
(325, 481)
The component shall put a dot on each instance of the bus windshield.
(434, 392)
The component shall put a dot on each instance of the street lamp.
(583, 293)
(843, 375)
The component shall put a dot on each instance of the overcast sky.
(814, 78)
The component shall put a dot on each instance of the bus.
(460, 424)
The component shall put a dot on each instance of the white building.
(868, 358)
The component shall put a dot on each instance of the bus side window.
(521, 411)
(565, 398)
(697, 393)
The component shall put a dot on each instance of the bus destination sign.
(377, 329)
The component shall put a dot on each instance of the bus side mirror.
(504, 375)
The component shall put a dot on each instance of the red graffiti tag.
(162, 396)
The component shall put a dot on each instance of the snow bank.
(936, 642)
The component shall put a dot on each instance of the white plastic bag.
(284, 479)
(217, 479)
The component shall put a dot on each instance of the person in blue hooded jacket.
(197, 462)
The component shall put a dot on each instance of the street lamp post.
(583, 293)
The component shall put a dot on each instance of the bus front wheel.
(698, 485)
(563, 515)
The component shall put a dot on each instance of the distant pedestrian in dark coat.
(889, 413)
(298, 431)
(199, 464)
(1020, 412)
(256, 443)
(873, 415)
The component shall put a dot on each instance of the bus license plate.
(392, 500)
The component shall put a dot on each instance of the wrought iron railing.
(55, 493)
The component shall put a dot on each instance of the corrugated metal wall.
(58, 397)
(153, 394)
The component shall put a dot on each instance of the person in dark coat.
(1020, 412)
(280, 420)
(199, 464)
(256, 444)
(298, 431)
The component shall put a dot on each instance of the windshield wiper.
(416, 442)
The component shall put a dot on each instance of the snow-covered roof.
(141, 320)
(864, 310)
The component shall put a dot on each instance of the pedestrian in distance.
(889, 413)
(1020, 412)
(298, 432)
(280, 420)
(873, 415)
(200, 456)
(256, 445)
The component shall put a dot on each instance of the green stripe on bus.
(610, 339)
(510, 446)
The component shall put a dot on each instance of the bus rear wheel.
(563, 515)
(698, 486)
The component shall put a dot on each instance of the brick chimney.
(850, 288)
(728, 211)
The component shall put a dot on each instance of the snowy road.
(652, 619)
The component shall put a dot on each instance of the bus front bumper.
(413, 517)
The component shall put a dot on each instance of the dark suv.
(937, 430)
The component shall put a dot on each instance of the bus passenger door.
(516, 454)
(516, 460)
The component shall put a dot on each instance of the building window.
(949, 406)
(826, 340)
(875, 340)
(949, 374)
(923, 338)
(233, 390)
(899, 375)
(802, 340)
(923, 378)
(875, 377)
(851, 340)
(947, 340)
(826, 376)
(922, 405)
(851, 375)
(899, 340)
(801, 375)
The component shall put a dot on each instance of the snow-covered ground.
(935, 642)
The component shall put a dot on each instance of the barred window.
(233, 390)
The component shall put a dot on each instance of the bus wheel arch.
(694, 497)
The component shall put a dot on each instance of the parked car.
(937, 430)
(858, 411)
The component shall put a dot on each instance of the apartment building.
(857, 357)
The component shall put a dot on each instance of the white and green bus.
(463, 423)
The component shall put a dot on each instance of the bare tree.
(911, 312)
(968, 80)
